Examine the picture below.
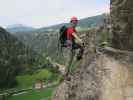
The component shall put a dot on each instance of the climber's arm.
(77, 38)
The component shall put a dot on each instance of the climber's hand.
(83, 44)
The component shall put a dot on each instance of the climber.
(70, 39)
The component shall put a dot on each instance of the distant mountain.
(83, 23)
(91, 21)
(19, 28)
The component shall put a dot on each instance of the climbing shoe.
(79, 57)
(67, 77)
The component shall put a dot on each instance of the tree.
(43, 75)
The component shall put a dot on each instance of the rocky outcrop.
(84, 83)
(104, 75)
(122, 24)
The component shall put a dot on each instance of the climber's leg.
(72, 54)
(80, 54)
(69, 60)
(81, 51)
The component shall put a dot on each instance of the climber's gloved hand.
(83, 44)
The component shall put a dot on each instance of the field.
(44, 94)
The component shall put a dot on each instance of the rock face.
(122, 24)
(99, 76)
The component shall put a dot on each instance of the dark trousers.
(78, 46)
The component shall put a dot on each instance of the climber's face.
(74, 23)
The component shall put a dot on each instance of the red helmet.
(74, 19)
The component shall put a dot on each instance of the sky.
(41, 13)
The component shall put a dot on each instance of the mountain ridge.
(19, 28)
(83, 23)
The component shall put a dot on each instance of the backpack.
(62, 36)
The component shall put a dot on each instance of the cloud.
(40, 13)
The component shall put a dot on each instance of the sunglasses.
(75, 21)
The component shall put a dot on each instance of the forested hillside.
(15, 58)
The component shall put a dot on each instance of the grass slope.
(44, 94)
